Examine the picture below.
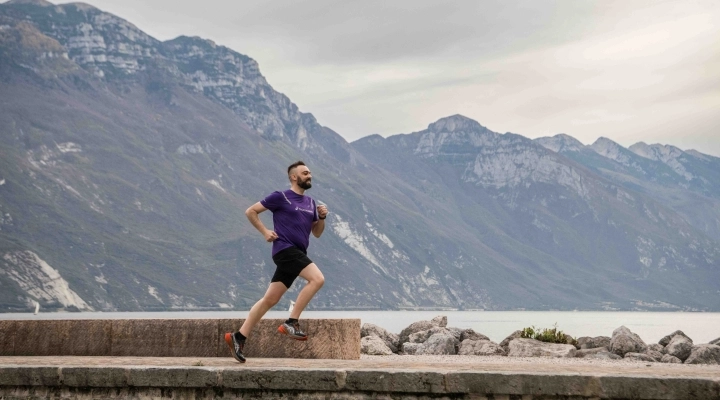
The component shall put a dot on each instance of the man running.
(294, 217)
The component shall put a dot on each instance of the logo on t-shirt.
(304, 210)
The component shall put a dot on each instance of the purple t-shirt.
(293, 216)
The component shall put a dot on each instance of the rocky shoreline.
(434, 337)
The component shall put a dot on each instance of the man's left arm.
(319, 226)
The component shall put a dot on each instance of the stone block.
(395, 381)
(327, 339)
(63, 338)
(280, 379)
(172, 377)
(30, 376)
(164, 338)
(7, 338)
(93, 377)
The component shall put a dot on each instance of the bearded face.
(304, 183)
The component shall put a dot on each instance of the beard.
(305, 185)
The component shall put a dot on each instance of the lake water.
(651, 326)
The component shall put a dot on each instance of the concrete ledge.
(240, 381)
(328, 338)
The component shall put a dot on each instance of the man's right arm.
(252, 215)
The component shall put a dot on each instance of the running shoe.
(292, 330)
(236, 346)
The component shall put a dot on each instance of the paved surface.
(570, 366)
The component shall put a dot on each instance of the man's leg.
(315, 281)
(273, 294)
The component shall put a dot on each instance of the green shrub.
(552, 335)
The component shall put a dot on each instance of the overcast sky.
(627, 70)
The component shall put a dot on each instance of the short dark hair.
(295, 164)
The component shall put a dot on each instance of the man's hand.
(270, 236)
(322, 211)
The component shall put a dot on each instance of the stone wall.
(328, 338)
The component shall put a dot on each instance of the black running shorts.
(289, 263)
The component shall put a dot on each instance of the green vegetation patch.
(552, 335)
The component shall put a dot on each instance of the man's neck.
(297, 189)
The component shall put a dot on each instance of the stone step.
(327, 338)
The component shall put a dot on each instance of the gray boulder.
(603, 355)
(391, 340)
(668, 359)
(472, 335)
(656, 347)
(666, 340)
(374, 346)
(413, 328)
(470, 347)
(704, 354)
(506, 342)
(422, 336)
(440, 320)
(639, 357)
(439, 343)
(680, 346)
(457, 332)
(623, 341)
(534, 348)
(587, 342)
(716, 341)
(583, 353)
(656, 355)
(411, 348)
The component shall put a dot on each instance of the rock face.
(422, 336)
(680, 346)
(506, 342)
(534, 348)
(391, 340)
(587, 342)
(716, 341)
(439, 344)
(583, 353)
(472, 335)
(374, 346)
(624, 341)
(411, 348)
(470, 347)
(704, 354)
(440, 320)
(639, 357)
(666, 340)
(657, 347)
(656, 355)
(667, 358)
(415, 327)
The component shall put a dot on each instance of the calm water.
(651, 326)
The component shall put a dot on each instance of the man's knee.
(318, 281)
(271, 300)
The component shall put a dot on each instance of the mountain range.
(126, 164)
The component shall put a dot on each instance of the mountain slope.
(126, 164)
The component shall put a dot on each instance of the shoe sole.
(282, 330)
(229, 341)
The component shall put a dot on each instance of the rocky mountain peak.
(83, 6)
(666, 154)
(455, 123)
(41, 3)
(560, 143)
(656, 152)
(610, 149)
